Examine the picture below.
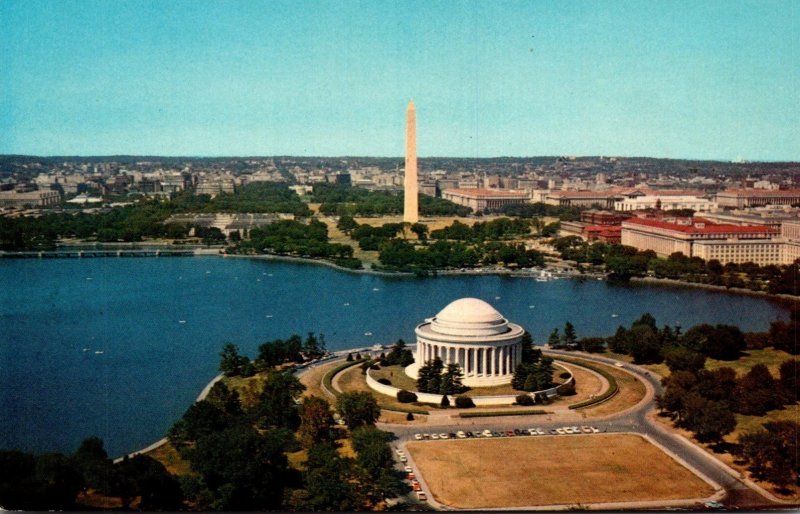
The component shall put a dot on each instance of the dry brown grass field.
(552, 470)
(312, 379)
(631, 391)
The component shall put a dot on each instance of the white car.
(418, 437)
(403, 459)
(444, 436)
(408, 469)
(487, 433)
(560, 431)
(434, 436)
(461, 435)
(595, 430)
(540, 431)
(532, 431)
(576, 430)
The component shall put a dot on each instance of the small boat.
(496, 297)
(98, 352)
(208, 271)
(182, 321)
(367, 333)
(375, 289)
(615, 315)
(88, 278)
(347, 304)
(531, 306)
(86, 349)
(269, 315)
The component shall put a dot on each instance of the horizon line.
(399, 157)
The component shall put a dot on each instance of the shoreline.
(671, 282)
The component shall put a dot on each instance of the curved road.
(637, 419)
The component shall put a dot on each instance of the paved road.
(638, 419)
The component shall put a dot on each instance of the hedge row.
(489, 414)
(612, 384)
(327, 380)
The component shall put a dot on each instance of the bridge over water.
(66, 254)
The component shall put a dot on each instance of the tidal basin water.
(120, 347)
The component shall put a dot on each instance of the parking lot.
(516, 432)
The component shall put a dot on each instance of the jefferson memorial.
(472, 334)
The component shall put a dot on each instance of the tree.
(329, 481)
(569, 339)
(200, 419)
(429, 376)
(772, 453)
(225, 399)
(242, 469)
(618, 343)
(708, 419)
(151, 481)
(231, 363)
(420, 230)
(404, 396)
(277, 404)
(789, 379)
(93, 463)
(755, 392)
(529, 354)
(358, 409)
(644, 345)
(680, 358)
(315, 421)
(554, 341)
(451, 380)
(445, 403)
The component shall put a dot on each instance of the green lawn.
(746, 424)
(769, 356)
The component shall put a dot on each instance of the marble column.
(483, 367)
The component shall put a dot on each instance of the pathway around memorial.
(639, 419)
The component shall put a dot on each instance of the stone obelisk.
(410, 207)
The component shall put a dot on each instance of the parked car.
(487, 433)
(540, 431)
(435, 436)
(461, 435)
(407, 469)
(400, 452)
(403, 459)
(560, 431)
(517, 431)
(452, 435)
(421, 496)
(426, 436)
(415, 486)
(411, 476)
(595, 430)
(443, 436)
(553, 431)
(509, 433)
(418, 437)
(586, 430)
(532, 431)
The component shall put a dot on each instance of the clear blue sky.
(695, 79)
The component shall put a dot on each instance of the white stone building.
(472, 334)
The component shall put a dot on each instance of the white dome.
(469, 317)
(469, 310)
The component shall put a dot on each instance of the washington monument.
(410, 207)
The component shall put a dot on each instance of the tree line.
(295, 238)
(624, 262)
(144, 219)
(340, 200)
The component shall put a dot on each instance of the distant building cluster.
(733, 212)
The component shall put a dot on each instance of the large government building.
(471, 333)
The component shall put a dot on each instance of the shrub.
(464, 402)
(525, 399)
(404, 396)
(384, 381)
(349, 357)
(564, 375)
(445, 402)
(566, 389)
(409, 417)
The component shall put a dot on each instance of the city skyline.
(714, 81)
